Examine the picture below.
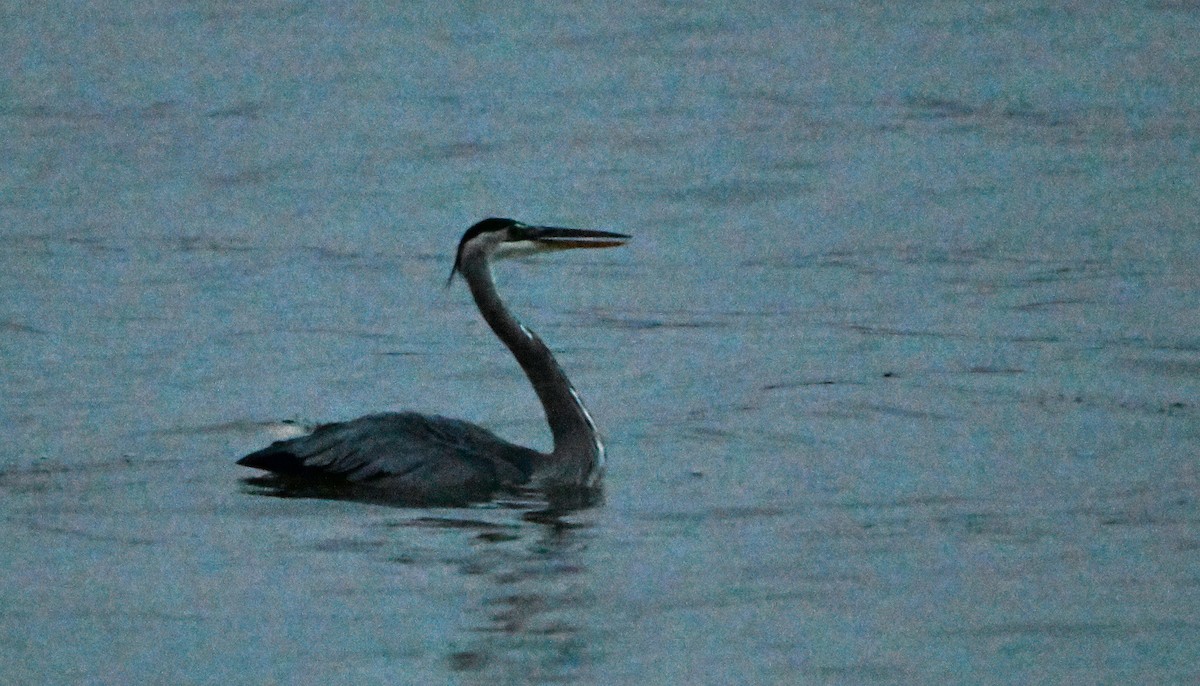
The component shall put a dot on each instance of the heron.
(428, 459)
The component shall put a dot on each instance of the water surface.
(899, 378)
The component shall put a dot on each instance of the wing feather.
(404, 452)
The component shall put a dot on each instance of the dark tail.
(274, 458)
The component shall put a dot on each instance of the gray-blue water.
(900, 376)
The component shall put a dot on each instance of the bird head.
(500, 238)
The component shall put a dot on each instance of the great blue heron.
(418, 458)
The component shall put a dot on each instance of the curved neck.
(578, 455)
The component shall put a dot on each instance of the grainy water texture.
(899, 376)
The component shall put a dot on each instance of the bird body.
(428, 459)
(413, 457)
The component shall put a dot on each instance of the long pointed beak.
(557, 238)
(548, 238)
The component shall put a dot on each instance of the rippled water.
(900, 377)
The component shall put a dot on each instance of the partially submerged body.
(406, 456)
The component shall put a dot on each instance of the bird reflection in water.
(532, 622)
